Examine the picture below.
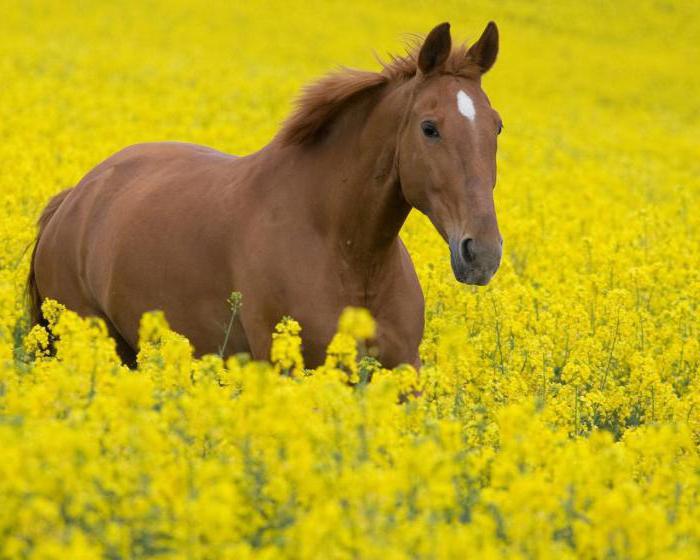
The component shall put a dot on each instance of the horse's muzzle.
(475, 261)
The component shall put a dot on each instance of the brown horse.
(304, 227)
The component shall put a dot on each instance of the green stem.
(234, 302)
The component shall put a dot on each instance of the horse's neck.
(351, 179)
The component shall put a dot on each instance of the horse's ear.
(483, 53)
(436, 48)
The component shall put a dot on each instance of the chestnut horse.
(304, 227)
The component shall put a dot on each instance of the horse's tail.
(35, 315)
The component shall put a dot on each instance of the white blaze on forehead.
(465, 105)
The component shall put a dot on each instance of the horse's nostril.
(467, 248)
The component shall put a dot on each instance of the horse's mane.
(321, 101)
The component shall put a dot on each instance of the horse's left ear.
(483, 53)
(436, 48)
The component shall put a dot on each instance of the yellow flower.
(37, 341)
(285, 352)
(357, 322)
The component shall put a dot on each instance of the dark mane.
(321, 101)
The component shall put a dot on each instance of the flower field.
(559, 407)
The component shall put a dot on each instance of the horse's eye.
(500, 127)
(429, 129)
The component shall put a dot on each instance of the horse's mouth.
(475, 277)
(474, 271)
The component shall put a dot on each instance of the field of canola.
(560, 414)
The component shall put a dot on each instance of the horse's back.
(153, 158)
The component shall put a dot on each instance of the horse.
(304, 227)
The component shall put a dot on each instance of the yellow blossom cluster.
(557, 411)
(285, 353)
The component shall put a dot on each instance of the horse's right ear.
(483, 53)
(436, 48)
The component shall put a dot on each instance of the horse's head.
(447, 151)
